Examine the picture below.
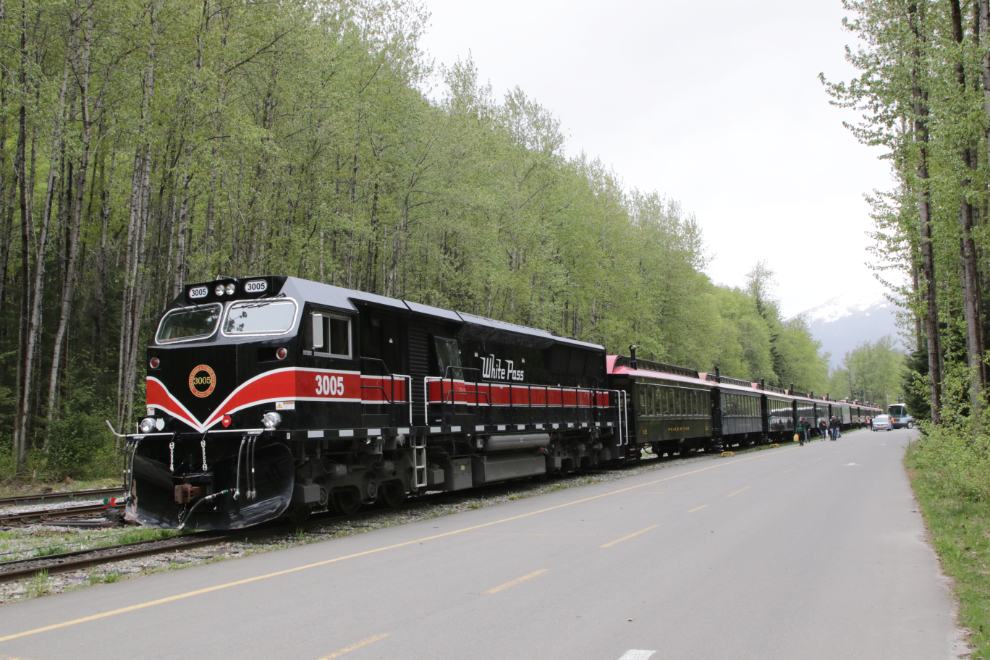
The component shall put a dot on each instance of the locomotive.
(277, 396)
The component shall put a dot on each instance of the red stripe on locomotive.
(447, 391)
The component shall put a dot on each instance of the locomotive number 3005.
(329, 385)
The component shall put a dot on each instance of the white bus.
(899, 416)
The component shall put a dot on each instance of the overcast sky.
(715, 104)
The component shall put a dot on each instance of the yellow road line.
(354, 647)
(626, 538)
(698, 508)
(516, 581)
(325, 562)
(737, 492)
(786, 471)
(539, 535)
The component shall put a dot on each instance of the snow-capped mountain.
(849, 319)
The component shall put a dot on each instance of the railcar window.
(449, 357)
(189, 323)
(260, 318)
(331, 335)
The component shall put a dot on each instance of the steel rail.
(96, 493)
(48, 514)
(67, 562)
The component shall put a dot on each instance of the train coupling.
(185, 493)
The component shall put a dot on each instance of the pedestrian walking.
(822, 428)
(801, 430)
(833, 427)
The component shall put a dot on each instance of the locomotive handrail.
(450, 366)
(391, 377)
(381, 362)
(379, 387)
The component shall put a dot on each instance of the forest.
(923, 93)
(149, 143)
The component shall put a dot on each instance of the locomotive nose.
(211, 482)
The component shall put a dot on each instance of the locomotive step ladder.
(418, 444)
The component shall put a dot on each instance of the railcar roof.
(623, 370)
(344, 299)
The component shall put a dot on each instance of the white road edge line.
(636, 654)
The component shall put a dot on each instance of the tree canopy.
(144, 144)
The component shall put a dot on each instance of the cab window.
(330, 335)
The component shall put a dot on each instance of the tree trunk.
(81, 74)
(920, 108)
(970, 265)
(135, 289)
(25, 350)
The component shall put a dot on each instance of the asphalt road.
(798, 552)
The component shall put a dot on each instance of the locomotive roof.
(344, 299)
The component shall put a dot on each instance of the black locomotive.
(275, 396)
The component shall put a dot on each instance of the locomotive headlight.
(230, 289)
(147, 425)
(271, 420)
(281, 353)
(218, 290)
(154, 362)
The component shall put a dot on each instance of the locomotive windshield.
(260, 318)
(189, 323)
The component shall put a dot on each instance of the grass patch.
(144, 534)
(50, 550)
(38, 586)
(960, 530)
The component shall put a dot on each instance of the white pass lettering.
(492, 369)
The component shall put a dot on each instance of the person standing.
(801, 430)
(822, 428)
(833, 427)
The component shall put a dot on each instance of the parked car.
(882, 423)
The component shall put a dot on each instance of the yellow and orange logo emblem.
(202, 381)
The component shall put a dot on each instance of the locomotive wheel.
(347, 501)
(300, 515)
(393, 493)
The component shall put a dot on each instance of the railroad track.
(42, 515)
(93, 494)
(67, 562)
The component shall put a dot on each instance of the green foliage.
(873, 371)
(295, 138)
(957, 513)
(914, 384)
